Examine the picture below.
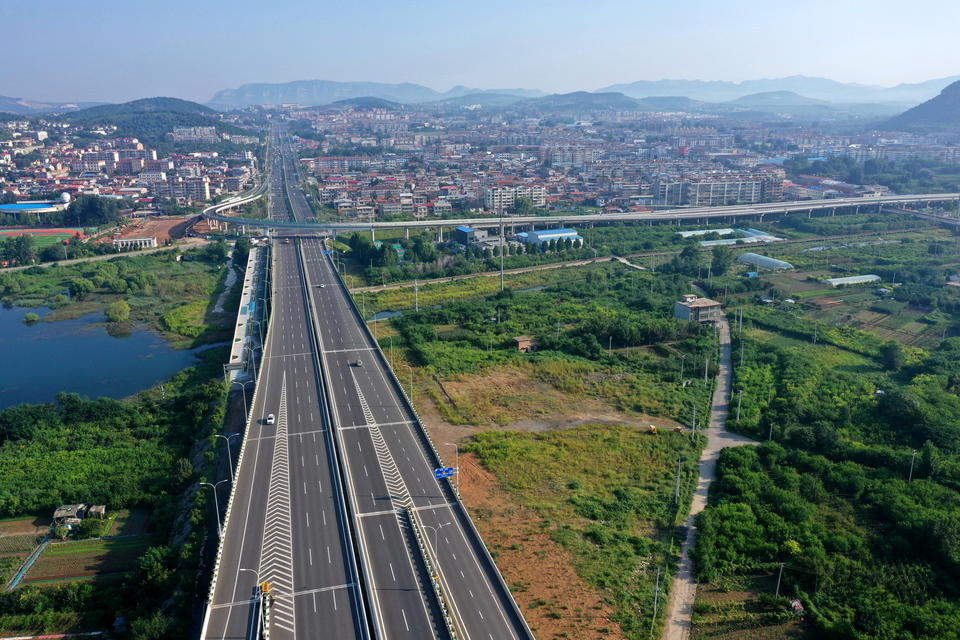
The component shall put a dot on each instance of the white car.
(271, 419)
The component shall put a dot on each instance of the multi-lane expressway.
(336, 504)
(286, 523)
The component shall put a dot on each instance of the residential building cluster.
(422, 163)
(66, 159)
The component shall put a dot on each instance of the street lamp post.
(410, 369)
(436, 534)
(216, 503)
(229, 455)
(253, 358)
(243, 390)
(259, 329)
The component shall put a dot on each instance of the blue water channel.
(39, 361)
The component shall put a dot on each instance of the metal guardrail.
(454, 625)
(237, 467)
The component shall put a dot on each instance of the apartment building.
(712, 192)
(184, 188)
(504, 197)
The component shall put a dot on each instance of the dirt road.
(684, 590)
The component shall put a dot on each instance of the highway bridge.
(689, 214)
(335, 502)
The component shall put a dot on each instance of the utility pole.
(739, 402)
(416, 295)
(682, 358)
(676, 488)
(656, 601)
(706, 367)
(502, 249)
(779, 576)
(912, 458)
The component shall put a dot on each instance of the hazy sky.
(119, 50)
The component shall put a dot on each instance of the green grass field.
(86, 559)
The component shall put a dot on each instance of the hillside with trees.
(150, 119)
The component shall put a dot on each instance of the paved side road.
(684, 590)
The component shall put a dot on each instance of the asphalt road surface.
(286, 522)
(336, 504)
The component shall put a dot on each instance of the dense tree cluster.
(857, 495)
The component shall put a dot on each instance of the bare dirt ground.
(163, 228)
(23, 526)
(554, 600)
(510, 398)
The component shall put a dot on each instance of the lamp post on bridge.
(216, 502)
(226, 439)
(436, 534)
(243, 390)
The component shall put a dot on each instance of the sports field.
(45, 237)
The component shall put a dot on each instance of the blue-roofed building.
(546, 235)
(33, 207)
(464, 235)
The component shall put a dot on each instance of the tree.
(89, 528)
(241, 250)
(722, 259)
(891, 355)
(152, 627)
(23, 249)
(118, 311)
(80, 288)
(216, 252)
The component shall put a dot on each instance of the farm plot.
(87, 559)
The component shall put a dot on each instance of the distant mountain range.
(22, 106)
(321, 92)
(816, 88)
(776, 99)
(936, 114)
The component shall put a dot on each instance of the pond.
(79, 356)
